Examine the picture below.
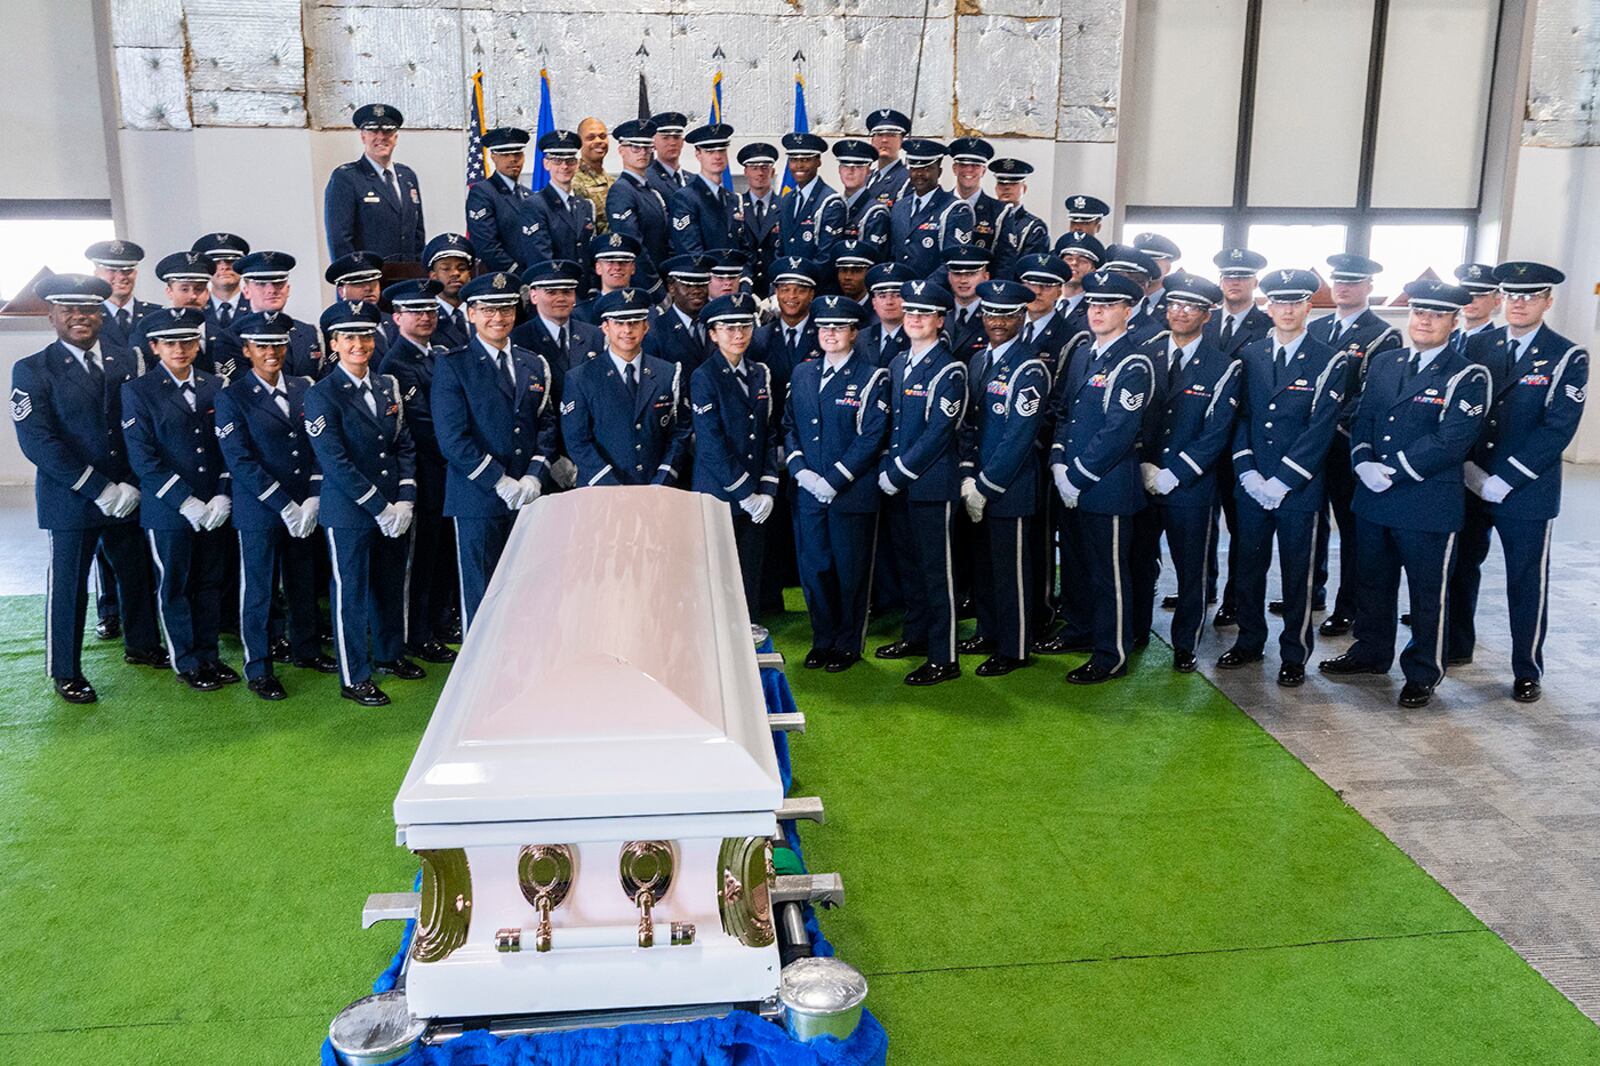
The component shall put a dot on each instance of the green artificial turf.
(1034, 874)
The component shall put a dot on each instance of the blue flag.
(801, 125)
(547, 124)
(477, 164)
(716, 117)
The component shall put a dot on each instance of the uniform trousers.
(1426, 559)
(1296, 533)
(1341, 482)
(369, 599)
(191, 566)
(479, 542)
(834, 550)
(433, 588)
(267, 556)
(750, 541)
(1191, 533)
(1526, 545)
(66, 594)
(1144, 564)
(1107, 544)
(920, 535)
(1003, 584)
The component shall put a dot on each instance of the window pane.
(1198, 241)
(1433, 114)
(1310, 102)
(26, 244)
(1193, 51)
(1304, 247)
(1408, 250)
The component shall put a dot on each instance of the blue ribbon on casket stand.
(739, 1039)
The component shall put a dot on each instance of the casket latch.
(544, 874)
(646, 870)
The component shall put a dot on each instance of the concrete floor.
(1497, 800)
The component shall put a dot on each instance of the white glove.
(130, 499)
(1272, 493)
(817, 485)
(405, 511)
(565, 472)
(1474, 476)
(531, 488)
(509, 489)
(193, 511)
(1165, 482)
(886, 485)
(973, 499)
(1058, 474)
(1377, 477)
(308, 516)
(1251, 481)
(1495, 489)
(748, 505)
(389, 520)
(109, 500)
(1148, 472)
(293, 516)
(763, 509)
(217, 511)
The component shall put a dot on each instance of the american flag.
(477, 165)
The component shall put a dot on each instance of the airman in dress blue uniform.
(1290, 401)
(866, 218)
(186, 275)
(1181, 457)
(920, 473)
(226, 301)
(1009, 389)
(1094, 464)
(168, 421)
(761, 210)
(886, 338)
(926, 218)
(1356, 331)
(736, 433)
(1540, 383)
(374, 204)
(497, 206)
(616, 263)
(116, 263)
(1143, 270)
(625, 415)
(1165, 253)
(966, 266)
(66, 404)
(448, 259)
(834, 427)
(494, 416)
(666, 173)
(1420, 411)
(433, 594)
(1083, 255)
(635, 206)
(813, 214)
(969, 161)
(1478, 316)
(676, 333)
(850, 262)
(261, 428)
(791, 338)
(265, 280)
(1018, 231)
(888, 130)
(563, 222)
(704, 214)
(551, 331)
(358, 277)
(1085, 214)
(357, 425)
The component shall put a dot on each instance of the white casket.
(605, 718)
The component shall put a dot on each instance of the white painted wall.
(51, 94)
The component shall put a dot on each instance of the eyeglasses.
(496, 311)
(1524, 297)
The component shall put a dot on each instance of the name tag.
(371, 198)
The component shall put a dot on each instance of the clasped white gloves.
(974, 500)
(218, 508)
(395, 519)
(1272, 493)
(531, 488)
(1158, 480)
(1068, 492)
(117, 500)
(509, 489)
(886, 485)
(1377, 477)
(193, 512)
(757, 506)
(1474, 476)
(300, 518)
(1495, 489)
(817, 485)
(564, 471)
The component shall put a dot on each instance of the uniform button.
(1166, 451)
(517, 451)
(200, 469)
(1272, 407)
(199, 451)
(1268, 425)
(383, 455)
(1167, 433)
(516, 429)
(383, 473)
(1386, 438)
(1491, 444)
(637, 425)
(636, 466)
(294, 454)
(813, 421)
(113, 451)
(297, 470)
(197, 431)
(1391, 418)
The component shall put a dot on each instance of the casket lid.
(608, 673)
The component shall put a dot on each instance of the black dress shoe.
(1092, 673)
(75, 690)
(322, 664)
(222, 672)
(933, 674)
(1523, 690)
(156, 657)
(816, 659)
(199, 679)
(403, 668)
(1460, 660)
(1415, 695)
(1233, 658)
(1335, 625)
(1169, 603)
(1227, 615)
(108, 628)
(433, 651)
(966, 608)
(998, 665)
(1183, 661)
(268, 688)
(1276, 606)
(1346, 665)
(1062, 643)
(900, 649)
(975, 646)
(1291, 675)
(365, 693)
(842, 661)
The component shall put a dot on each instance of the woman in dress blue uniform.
(735, 433)
(834, 427)
(261, 427)
(169, 424)
(356, 421)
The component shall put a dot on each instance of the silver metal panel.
(283, 110)
(147, 23)
(1564, 76)
(409, 57)
(260, 51)
(1006, 74)
(152, 88)
(1091, 70)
